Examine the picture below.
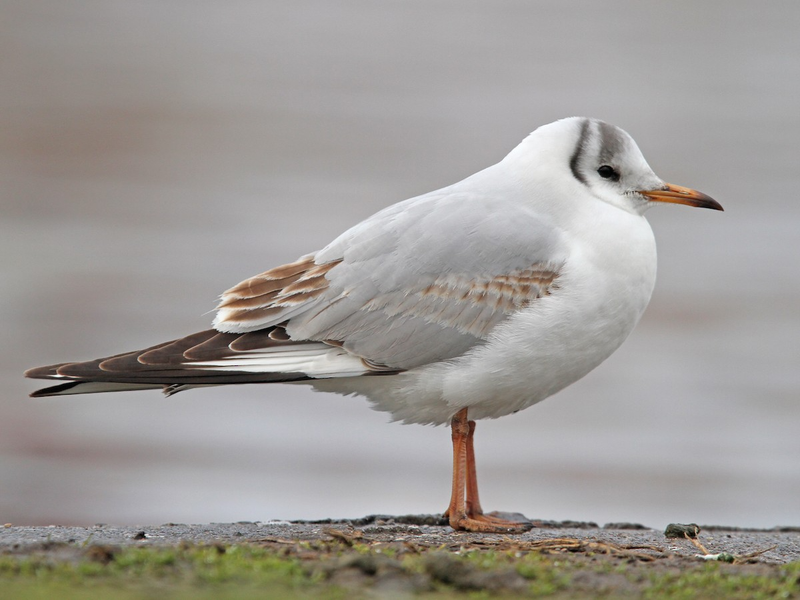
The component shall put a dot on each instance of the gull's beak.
(677, 194)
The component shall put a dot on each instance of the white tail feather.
(314, 360)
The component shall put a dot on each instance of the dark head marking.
(576, 155)
(612, 142)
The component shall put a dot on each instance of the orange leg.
(473, 501)
(465, 512)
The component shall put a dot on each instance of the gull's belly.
(536, 354)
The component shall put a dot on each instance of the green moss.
(546, 576)
(335, 571)
(719, 581)
(197, 572)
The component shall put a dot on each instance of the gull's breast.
(601, 294)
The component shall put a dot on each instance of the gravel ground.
(779, 545)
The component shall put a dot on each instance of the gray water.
(154, 153)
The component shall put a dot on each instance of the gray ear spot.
(608, 172)
(579, 149)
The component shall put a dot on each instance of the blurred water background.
(154, 153)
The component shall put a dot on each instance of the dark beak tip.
(713, 204)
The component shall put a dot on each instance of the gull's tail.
(206, 358)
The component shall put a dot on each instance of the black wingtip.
(53, 390)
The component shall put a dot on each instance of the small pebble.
(680, 530)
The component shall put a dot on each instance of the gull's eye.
(607, 172)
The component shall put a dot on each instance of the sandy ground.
(776, 546)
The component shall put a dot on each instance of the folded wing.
(420, 282)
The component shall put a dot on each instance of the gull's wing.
(421, 281)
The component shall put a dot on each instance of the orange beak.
(676, 194)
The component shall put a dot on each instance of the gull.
(470, 302)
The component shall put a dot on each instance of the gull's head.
(605, 161)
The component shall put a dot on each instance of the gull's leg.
(474, 509)
(459, 431)
(473, 500)
(464, 512)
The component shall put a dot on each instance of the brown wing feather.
(270, 294)
(471, 304)
(274, 279)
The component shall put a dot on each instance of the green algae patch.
(192, 572)
(723, 581)
(342, 569)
